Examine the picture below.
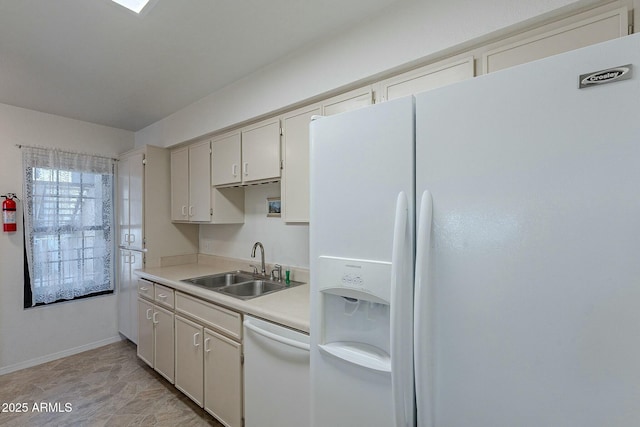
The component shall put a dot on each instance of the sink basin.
(220, 280)
(240, 284)
(251, 289)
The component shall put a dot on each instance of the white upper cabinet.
(190, 183)
(180, 184)
(250, 155)
(226, 159)
(352, 100)
(131, 192)
(199, 182)
(295, 174)
(426, 78)
(261, 152)
(193, 199)
(573, 33)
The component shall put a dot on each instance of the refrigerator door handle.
(401, 378)
(422, 324)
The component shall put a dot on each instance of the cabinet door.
(123, 200)
(145, 331)
(295, 174)
(590, 30)
(200, 182)
(189, 359)
(136, 201)
(426, 78)
(223, 378)
(348, 101)
(261, 152)
(125, 293)
(164, 356)
(180, 184)
(226, 159)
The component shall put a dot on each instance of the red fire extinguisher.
(9, 212)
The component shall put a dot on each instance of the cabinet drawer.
(226, 321)
(164, 296)
(145, 289)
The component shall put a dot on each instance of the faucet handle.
(277, 268)
(255, 269)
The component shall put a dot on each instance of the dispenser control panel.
(352, 279)
(356, 278)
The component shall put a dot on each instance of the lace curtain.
(68, 223)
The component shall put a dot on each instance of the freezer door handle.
(401, 336)
(421, 318)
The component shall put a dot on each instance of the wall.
(287, 245)
(29, 337)
(412, 31)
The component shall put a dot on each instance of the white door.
(529, 296)
(362, 194)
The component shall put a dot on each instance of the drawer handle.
(206, 349)
(195, 339)
(162, 296)
(155, 318)
(143, 289)
(148, 314)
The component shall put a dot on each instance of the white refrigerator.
(523, 189)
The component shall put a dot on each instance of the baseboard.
(61, 354)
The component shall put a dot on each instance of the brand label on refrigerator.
(606, 76)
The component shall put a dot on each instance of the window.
(68, 225)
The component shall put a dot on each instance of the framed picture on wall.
(273, 207)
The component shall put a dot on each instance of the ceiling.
(95, 61)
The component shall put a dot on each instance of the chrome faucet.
(253, 255)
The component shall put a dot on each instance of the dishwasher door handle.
(276, 337)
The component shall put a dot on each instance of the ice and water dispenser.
(355, 301)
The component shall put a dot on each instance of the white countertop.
(289, 307)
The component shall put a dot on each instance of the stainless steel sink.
(252, 289)
(220, 280)
(240, 284)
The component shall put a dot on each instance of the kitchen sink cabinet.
(156, 327)
(209, 357)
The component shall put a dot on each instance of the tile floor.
(108, 386)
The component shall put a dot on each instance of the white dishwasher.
(276, 375)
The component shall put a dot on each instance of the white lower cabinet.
(155, 329)
(208, 364)
(189, 359)
(223, 378)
